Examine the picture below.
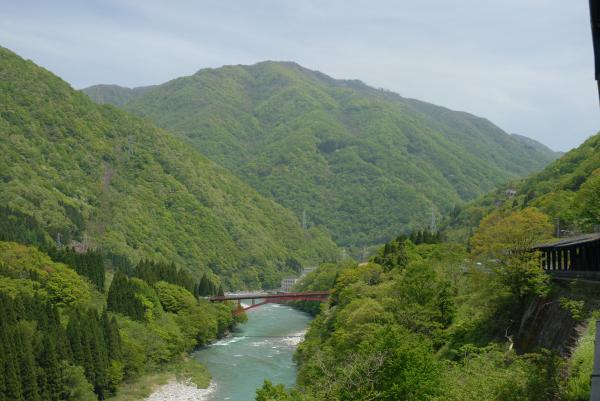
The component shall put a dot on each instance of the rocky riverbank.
(181, 391)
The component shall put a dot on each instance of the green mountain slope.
(568, 190)
(365, 163)
(114, 94)
(103, 177)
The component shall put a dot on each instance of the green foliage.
(77, 388)
(494, 375)
(270, 392)
(99, 176)
(152, 272)
(365, 163)
(125, 296)
(56, 346)
(22, 228)
(433, 327)
(89, 264)
(58, 282)
(588, 201)
(320, 279)
(393, 255)
(44, 361)
(577, 386)
(504, 241)
(173, 297)
(567, 190)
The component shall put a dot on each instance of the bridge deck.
(282, 296)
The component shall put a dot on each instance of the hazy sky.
(524, 64)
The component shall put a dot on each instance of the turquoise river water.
(260, 349)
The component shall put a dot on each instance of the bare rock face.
(547, 323)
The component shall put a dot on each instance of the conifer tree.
(204, 286)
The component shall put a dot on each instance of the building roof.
(570, 242)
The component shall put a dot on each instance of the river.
(260, 349)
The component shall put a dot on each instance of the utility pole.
(557, 227)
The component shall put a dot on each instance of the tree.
(587, 201)
(204, 286)
(504, 234)
(504, 241)
(270, 392)
(76, 387)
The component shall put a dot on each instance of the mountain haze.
(365, 163)
(101, 176)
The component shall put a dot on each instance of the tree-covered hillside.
(363, 162)
(435, 322)
(568, 190)
(109, 180)
(114, 94)
(65, 339)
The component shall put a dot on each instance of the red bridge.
(321, 296)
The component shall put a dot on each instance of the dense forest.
(114, 232)
(67, 336)
(103, 179)
(568, 190)
(437, 322)
(364, 163)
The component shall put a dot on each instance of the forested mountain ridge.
(568, 190)
(114, 94)
(100, 176)
(363, 162)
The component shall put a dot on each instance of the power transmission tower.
(58, 240)
(432, 225)
(304, 219)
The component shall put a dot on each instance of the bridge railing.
(282, 295)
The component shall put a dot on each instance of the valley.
(126, 213)
(364, 164)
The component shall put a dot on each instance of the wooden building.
(575, 254)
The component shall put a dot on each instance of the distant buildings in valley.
(288, 283)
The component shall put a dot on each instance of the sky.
(526, 65)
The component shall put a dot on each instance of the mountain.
(365, 163)
(535, 146)
(114, 94)
(568, 190)
(107, 179)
